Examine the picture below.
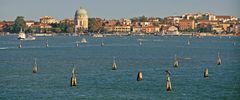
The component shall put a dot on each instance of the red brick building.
(186, 24)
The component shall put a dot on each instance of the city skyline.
(109, 9)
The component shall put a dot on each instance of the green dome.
(81, 11)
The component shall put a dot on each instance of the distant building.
(145, 24)
(29, 23)
(41, 27)
(67, 21)
(150, 29)
(81, 19)
(225, 26)
(186, 24)
(208, 22)
(109, 28)
(48, 20)
(226, 18)
(174, 19)
(125, 22)
(218, 29)
(122, 29)
(136, 29)
(170, 28)
(152, 19)
(110, 22)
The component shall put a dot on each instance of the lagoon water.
(96, 80)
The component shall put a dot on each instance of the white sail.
(175, 64)
(114, 65)
(188, 42)
(73, 81)
(219, 61)
(34, 68)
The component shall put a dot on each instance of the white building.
(81, 20)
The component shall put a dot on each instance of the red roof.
(224, 17)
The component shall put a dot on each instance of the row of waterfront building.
(190, 22)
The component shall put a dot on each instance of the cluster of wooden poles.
(73, 80)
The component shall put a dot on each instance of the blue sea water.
(96, 80)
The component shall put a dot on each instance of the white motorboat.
(83, 40)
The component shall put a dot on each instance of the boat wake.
(3, 48)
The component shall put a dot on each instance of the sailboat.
(168, 81)
(34, 68)
(114, 65)
(102, 44)
(73, 78)
(175, 64)
(77, 44)
(46, 43)
(163, 32)
(139, 77)
(98, 35)
(140, 43)
(75, 32)
(205, 73)
(188, 42)
(219, 61)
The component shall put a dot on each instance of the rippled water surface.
(96, 80)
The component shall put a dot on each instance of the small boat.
(21, 35)
(83, 40)
(205, 73)
(139, 76)
(219, 61)
(35, 68)
(73, 78)
(114, 65)
(175, 64)
(30, 37)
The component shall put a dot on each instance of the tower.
(81, 21)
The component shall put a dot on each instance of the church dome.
(81, 11)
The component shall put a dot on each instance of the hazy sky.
(34, 9)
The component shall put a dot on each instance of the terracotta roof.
(225, 17)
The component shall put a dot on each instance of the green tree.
(19, 24)
(57, 30)
(95, 24)
(70, 29)
(143, 19)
